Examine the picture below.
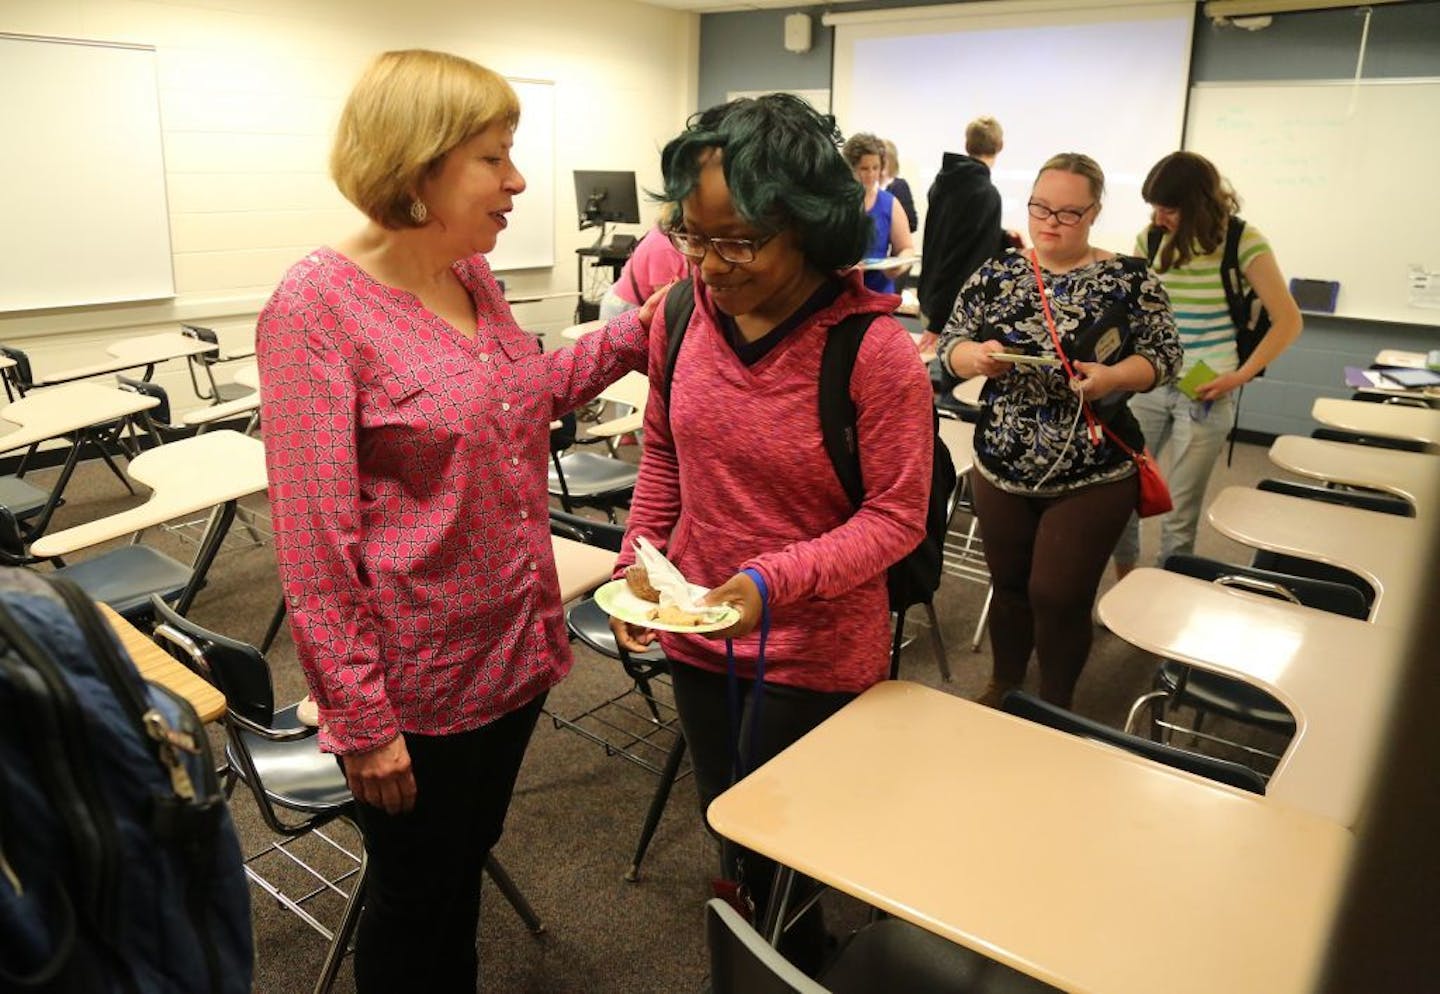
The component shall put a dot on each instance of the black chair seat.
(588, 474)
(20, 497)
(891, 954)
(1032, 708)
(1317, 572)
(125, 578)
(295, 774)
(1325, 588)
(1375, 441)
(1224, 696)
(1364, 500)
(591, 625)
(948, 406)
(888, 955)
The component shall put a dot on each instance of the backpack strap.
(837, 363)
(1230, 278)
(679, 306)
(1153, 239)
(837, 410)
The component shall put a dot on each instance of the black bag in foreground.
(120, 869)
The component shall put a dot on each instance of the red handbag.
(1154, 493)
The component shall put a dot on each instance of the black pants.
(786, 714)
(422, 894)
(1046, 556)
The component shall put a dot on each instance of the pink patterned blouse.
(407, 470)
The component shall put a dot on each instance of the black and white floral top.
(1029, 439)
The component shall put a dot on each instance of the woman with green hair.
(735, 485)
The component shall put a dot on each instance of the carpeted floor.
(578, 811)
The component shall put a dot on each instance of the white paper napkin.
(666, 579)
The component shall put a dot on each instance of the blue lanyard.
(738, 765)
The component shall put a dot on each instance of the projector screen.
(1106, 80)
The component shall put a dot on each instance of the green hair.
(783, 166)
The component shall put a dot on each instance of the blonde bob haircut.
(407, 111)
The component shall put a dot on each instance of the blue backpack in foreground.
(120, 869)
(915, 578)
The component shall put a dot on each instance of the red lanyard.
(1092, 426)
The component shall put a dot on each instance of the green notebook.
(1199, 375)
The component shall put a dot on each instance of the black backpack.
(119, 865)
(1247, 313)
(914, 579)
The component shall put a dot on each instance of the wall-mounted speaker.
(797, 33)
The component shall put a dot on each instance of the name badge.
(1107, 345)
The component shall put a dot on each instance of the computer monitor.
(606, 198)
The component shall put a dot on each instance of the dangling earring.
(418, 213)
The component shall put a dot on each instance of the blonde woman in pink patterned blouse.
(407, 436)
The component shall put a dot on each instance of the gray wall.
(745, 51)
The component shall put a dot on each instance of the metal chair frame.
(240, 765)
(639, 724)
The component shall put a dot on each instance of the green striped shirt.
(1198, 299)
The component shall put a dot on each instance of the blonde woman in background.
(890, 235)
(892, 182)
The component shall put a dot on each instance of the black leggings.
(786, 714)
(422, 892)
(1046, 557)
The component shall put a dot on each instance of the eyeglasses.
(736, 251)
(1067, 216)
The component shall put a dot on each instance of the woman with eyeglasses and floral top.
(1052, 492)
(735, 485)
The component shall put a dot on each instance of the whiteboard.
(529, 241)
(1341, 177)
(83, 175)
(917, 76)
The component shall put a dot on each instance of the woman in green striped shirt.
(1193, 206)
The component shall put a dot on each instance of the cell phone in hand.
(1025, 358)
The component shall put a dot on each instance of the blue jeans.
(1186, 439)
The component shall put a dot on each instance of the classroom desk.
(1379, 548)
(1336, 675)
(158, 667)
(213, 470)
(633, 391)
(1041, 849)
(185, 476)
(959, 438)
(247, 375)
(581, 567)
(47, 414)
(1400, 359)
(132, 353)
(577, 331)
(76, 409)
(968, 391)
(1416, 424)
(1412, 475)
